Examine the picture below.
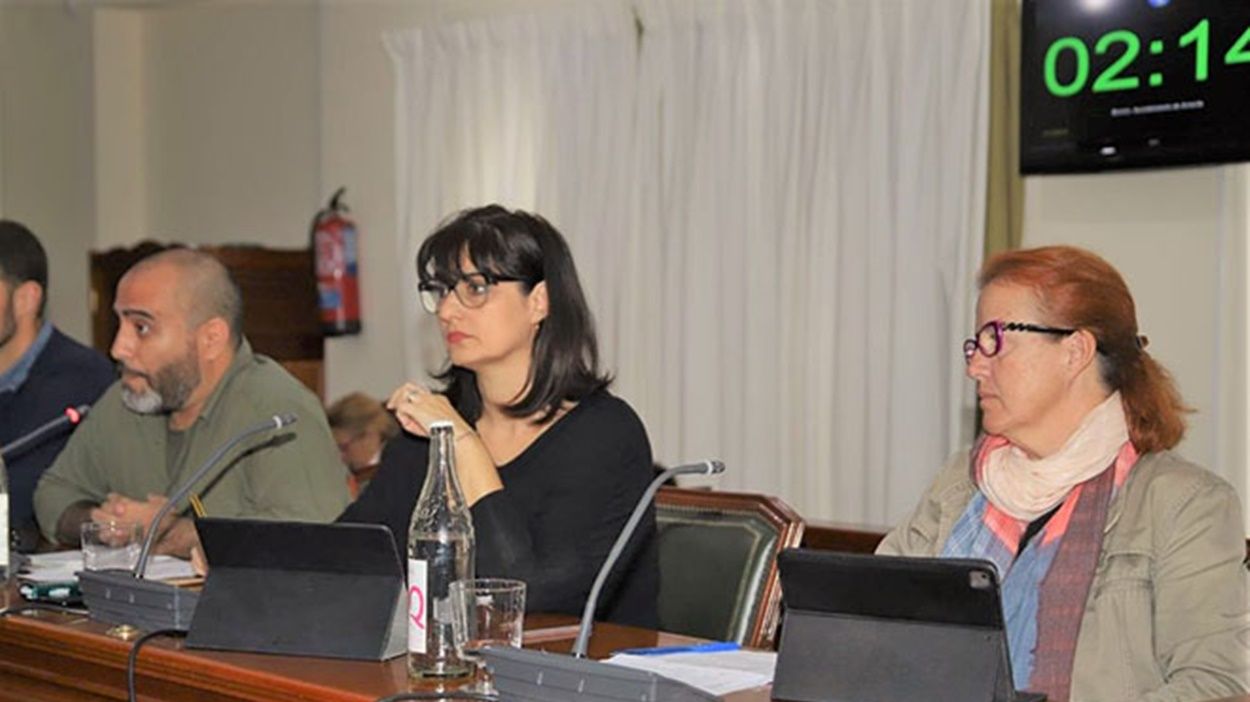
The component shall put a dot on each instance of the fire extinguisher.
(334, 255)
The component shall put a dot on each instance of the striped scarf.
(1044, 587)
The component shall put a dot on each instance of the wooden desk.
(62, 658)
(58, 657)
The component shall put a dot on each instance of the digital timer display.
(1134, 83)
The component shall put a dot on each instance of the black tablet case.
(862, 628)
(332, 590)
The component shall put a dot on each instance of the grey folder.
(332, 590)
(861, 628)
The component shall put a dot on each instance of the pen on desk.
(709, 647)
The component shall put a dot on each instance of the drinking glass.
(111, 544)
(486, 612)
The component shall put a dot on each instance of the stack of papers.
(718, 673)
(60, 567)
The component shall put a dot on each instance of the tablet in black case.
(862, 628)
(332, 590)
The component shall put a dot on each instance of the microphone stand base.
(118, 597)
(537, 676)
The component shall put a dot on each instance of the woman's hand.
(417, 408)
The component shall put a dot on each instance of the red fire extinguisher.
(334, 253)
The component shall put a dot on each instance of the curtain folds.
(1004, 216)
(776, 206)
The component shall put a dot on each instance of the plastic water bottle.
(440, 551)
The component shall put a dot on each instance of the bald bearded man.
(189, 383)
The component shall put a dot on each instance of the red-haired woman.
(1121, 562)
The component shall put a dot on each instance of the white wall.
(120, 76)
(233, 124)
(46, 131)
(190, 121)
(1179, 238)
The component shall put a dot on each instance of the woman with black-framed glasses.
(1121, 563)
(550, 462)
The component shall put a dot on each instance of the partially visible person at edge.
(1121, 562)
(42, 372)
(361, 427)
(550, 462)
(189, 384)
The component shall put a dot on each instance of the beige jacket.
(1167, 617)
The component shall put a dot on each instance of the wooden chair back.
(718, 563)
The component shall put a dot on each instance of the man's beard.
(168, 389)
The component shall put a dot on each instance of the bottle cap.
(441, 424)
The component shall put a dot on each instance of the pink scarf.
(1081, 477)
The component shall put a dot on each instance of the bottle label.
(418, 616)
(4, 533)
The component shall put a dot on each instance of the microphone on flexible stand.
(125, 597)
(537, 675)
(710, 467)
(70, 417)
(278, 421)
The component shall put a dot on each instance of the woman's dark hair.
(516, 244)
(1078, 289)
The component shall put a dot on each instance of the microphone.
(125, 597)
(70, 417)
(709, 467)
(275, 422)
(530, 675)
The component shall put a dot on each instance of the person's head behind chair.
(361, 427)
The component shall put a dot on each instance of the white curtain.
(776, 207)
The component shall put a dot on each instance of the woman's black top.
(565, 499)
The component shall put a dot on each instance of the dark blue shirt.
(55, 372)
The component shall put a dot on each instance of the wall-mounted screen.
(1109, 84)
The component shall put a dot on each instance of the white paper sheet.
(60, 566)
(717, 673)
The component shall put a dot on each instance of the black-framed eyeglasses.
(472, 290)
(989, 338)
